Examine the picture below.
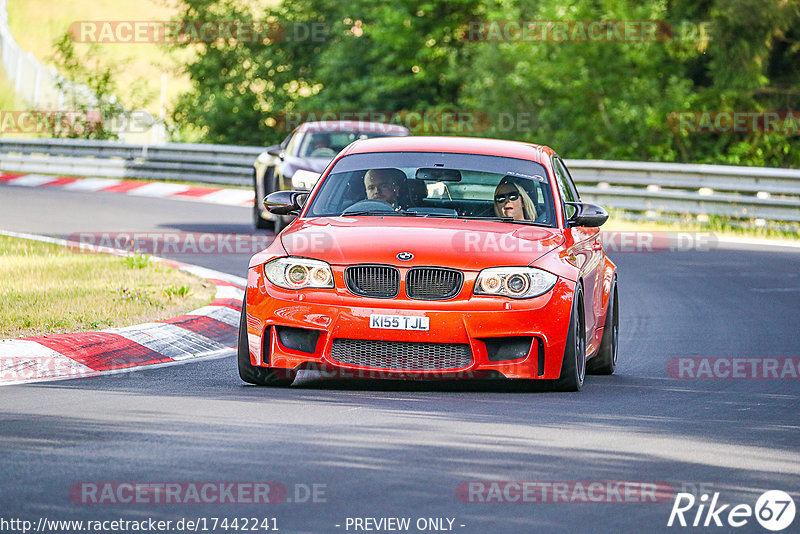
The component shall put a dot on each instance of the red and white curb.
(206, 333)
(213, 195)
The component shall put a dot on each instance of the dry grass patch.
(37, 24)
(48, 288)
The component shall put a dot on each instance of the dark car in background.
(297, 163)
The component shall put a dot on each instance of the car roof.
(459, 145)
(352, 126)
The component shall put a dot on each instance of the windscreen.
(436, 185)
(328, 144)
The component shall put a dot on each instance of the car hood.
(457, 243)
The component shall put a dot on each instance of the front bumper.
(320, 328)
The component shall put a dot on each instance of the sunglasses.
(500, 199)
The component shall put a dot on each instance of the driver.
(321, 141)
(384, 184)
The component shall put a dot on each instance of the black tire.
(272, 183)
(280, 223)
(258, 221)
(605, 361)
(573, 366)
(260, 376)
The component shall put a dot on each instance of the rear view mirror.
(438, 175)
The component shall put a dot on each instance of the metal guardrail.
(655, 189)
(217, 164)
(674, 188)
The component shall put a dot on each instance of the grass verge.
(721, 226)
(47, 288)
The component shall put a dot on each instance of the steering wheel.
(322, 152)
(368, 205)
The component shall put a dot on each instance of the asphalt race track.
(382, 450)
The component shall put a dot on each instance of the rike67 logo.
(774, 510)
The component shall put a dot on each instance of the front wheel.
(252, 374)
(605, 361)
(573, 366)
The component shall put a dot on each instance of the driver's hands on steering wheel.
(370, 204)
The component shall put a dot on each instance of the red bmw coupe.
(434, 257)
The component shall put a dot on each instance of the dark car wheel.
(573, 366)
(280, 223)
(258, 221)
(606, 360)
(272, 183)
(260, 376)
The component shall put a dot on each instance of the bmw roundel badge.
(405, 256)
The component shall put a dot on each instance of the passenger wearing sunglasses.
(512, 200)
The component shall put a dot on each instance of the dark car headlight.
(298, 273)
(514, 282)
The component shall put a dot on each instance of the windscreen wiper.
(369, 212)
(506, 219)
(414, 213)
(532, 223)
(488, 218)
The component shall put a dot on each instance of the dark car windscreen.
(328, 144)
(436, 184)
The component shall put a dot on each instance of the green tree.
(610, 100)
(392, 56)
(614, 100)
(90, 95)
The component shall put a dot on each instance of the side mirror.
(276, 150)
(285, 202)
(587, 215)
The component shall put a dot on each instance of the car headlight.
(514, 282)
(297, 273)
(302, 179)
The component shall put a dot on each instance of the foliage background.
(608, 100)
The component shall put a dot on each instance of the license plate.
(399, 322)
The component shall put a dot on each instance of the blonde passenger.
(512, 200)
